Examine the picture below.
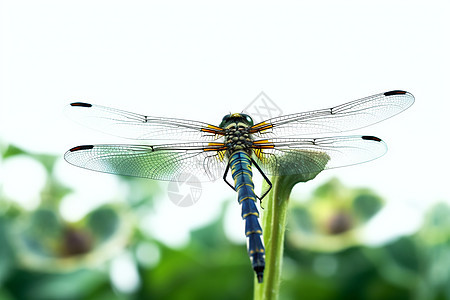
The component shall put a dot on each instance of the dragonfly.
(277, 146)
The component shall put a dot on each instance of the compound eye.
(225, 120)
(249, 120)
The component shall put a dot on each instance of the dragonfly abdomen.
(241, 171)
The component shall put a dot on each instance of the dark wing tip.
(396, 92)
(80, 104)
(79, 148)
(371, 138)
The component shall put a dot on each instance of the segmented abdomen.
(241, 170)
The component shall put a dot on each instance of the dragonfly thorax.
(238, 138)
(237, 132)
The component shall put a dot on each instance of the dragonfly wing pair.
(205, 159)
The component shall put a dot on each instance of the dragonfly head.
(236, 119)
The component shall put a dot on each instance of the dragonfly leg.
(265, 178)
(225, 177)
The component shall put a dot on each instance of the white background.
(201, 60)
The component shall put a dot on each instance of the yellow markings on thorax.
(213, 129)
(221, 155)
(260, 127)
(259, 146)
(263, 144)
(215, 144)
(215, 147)
(219, 148)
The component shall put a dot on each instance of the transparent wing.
(162, 162)
(135, 126)
(349, 116)
(286, 156)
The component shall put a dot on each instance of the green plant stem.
(309, 164)
(274, 226)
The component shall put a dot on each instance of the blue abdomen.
(241, 170)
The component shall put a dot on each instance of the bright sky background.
(203, 59)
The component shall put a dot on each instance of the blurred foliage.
(333, 218)
(43, 256)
